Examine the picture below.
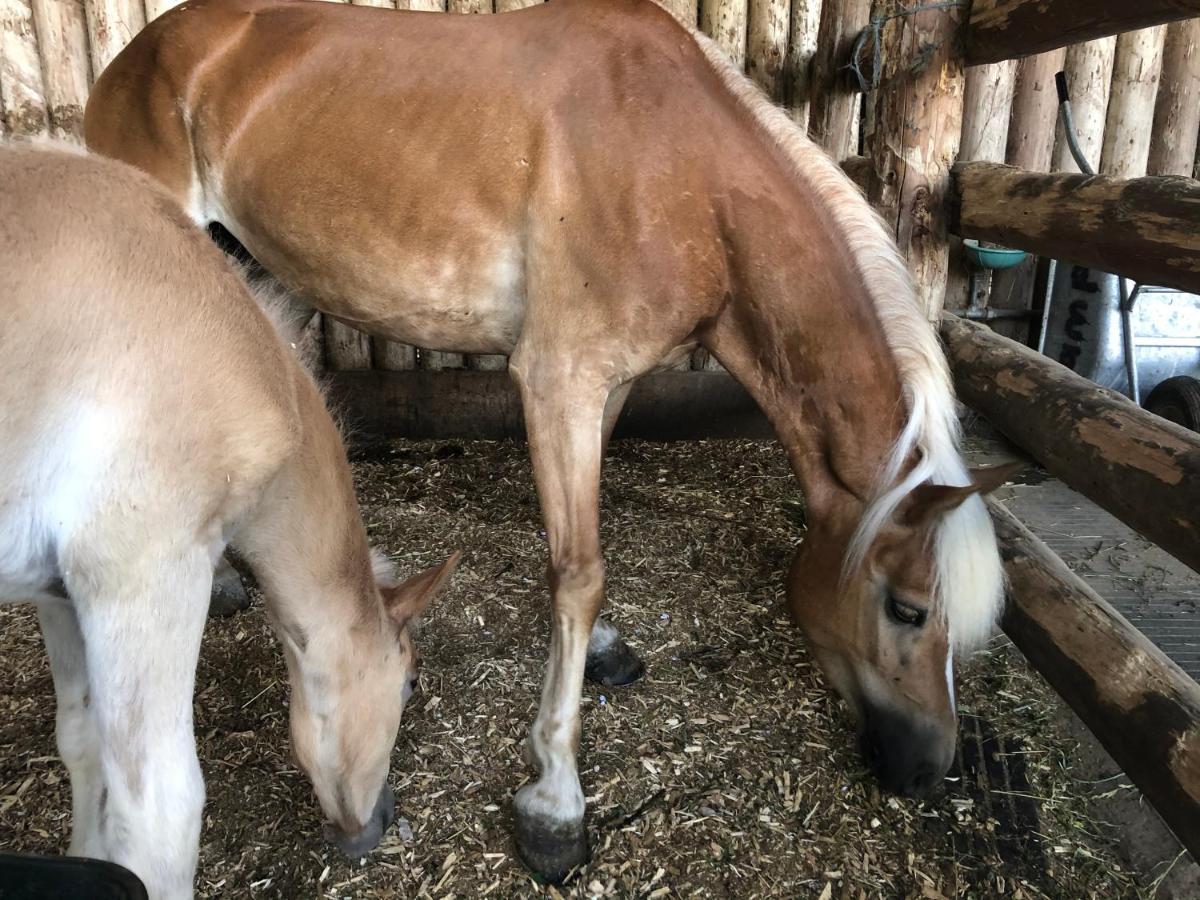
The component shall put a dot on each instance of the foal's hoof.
(229, 595)
(549, 850)
(615, 665)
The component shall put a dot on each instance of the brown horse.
(619, 195)
(149, 416)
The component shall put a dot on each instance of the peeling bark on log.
(725, 22)
(833, 103)
(1141, 706)
(1144, 228)
(802, 50)
(111, 25)
(346, 348)
(916, 126)
(1089, 69)
(766, 45)
(1008, 29)
(1142, 469)
(22, 92)
(1131, 103)
(1177, 110)
(66, 71)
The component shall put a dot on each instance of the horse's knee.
(573, 576)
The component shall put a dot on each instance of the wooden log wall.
(1173, 136)
(1131, 103)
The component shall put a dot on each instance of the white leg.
(78, 739)
(142, 627)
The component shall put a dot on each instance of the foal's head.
(346, 713)
(884, 621)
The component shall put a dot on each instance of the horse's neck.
(307, 543)
(803, 335)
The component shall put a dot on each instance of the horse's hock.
(739, 779)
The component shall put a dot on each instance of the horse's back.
(140, 382)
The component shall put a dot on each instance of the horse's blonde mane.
(970, 579)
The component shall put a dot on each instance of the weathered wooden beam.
(1177, 109)
(1131, 103)
(465, 404)
(1143, 228)
(22, 92)
(802, 50)
(768, 25)
(66, 68)
(725, 22)
(346, 347)
(1142, 469)
(833, 103)
(1140, 705)
(1008, 29)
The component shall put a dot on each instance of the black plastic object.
(66, 878)
(1060, 82)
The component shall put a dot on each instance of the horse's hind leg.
(75, 726)
(610, 661)
(563, 421)
(142, 621)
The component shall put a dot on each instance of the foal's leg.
(563, 420)
(142, 622)
(610, 661)
(75, 726)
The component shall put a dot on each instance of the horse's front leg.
(563, 417)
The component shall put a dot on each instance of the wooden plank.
(1131, 103)
(1089, 69)
(686, 11)
(802, 50)
(511, 5)
(1144, 228)
(436, 360)
(1008, 29)
(392, 356)
(22, 92)
(486, 362)
(768, 25)
(382, 4)
(1141, 468)
(471, 7)
(1141, 706)
(346, 348)
(422, 5)
(464, 404)
(917, 123)
(725, 21)
(66, 68)
(1177, 109)
(833, 101)
(111, 25)
(987, 106)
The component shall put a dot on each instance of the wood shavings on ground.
(729, 771)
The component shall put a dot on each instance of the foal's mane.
(969, 577)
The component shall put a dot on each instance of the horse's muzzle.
(910, 758)
(381, 818)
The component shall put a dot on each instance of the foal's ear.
(929, 501)
(408, 599)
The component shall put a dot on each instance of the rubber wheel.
(1178, 400)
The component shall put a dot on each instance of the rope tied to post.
(874, 32)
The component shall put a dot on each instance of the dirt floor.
(730, 771)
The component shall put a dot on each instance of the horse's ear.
(929, 501)
(409, 598)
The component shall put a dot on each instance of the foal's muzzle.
(381, 818)
(910, 757)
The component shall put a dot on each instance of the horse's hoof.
(551, 851)
(614, 666)
(229, 595)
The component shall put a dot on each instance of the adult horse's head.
(885, 596)
(345, 716)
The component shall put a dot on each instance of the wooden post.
(382, 4)
(1141, 468)
(725, 22)
(469, 6)
(987, 107)
(155, 8)
(1143, 228)
(833, 103)
(914, 138)
(766, 45)
(1177, 110)
(346, 348)
(802, 50)
(422, 5)
(1142, 707)
(510, 5)
(1007, 29)
(66, 69)
(392, 356)
(22, 93)
(1131, 104)
(1089, 70)
(111, 25)
(686, 11)
(435, 360)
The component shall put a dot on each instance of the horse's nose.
(909, 757)
(383, 814)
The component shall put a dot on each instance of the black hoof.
(551, 852)
(229, 595)
(614, 666)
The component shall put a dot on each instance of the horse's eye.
(906, 613)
